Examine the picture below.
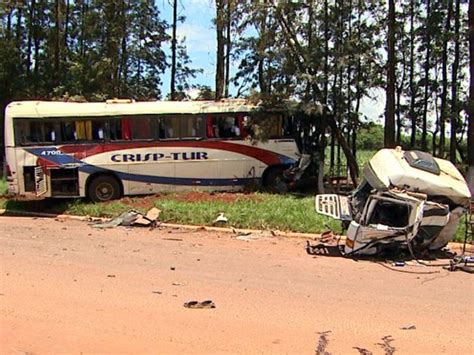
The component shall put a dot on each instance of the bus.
(106, 150)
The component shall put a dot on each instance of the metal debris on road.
(220, 219)
(132, 218)
(200, 305)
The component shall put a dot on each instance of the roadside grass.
(277, 212)
(266, 211)
(3, 186)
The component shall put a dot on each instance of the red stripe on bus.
(86, 150)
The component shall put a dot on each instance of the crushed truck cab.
(406, 199)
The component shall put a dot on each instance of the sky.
(200, 34)
(200, 37)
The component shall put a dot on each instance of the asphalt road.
(68, 288)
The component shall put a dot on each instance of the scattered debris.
(463, 263)
(362, 351)
(386, 346)
(322, 343)
(178, 284)
(408, 327)
(200, 305)
(327, 236)
(220, 220)
(248, 237)
(157, 292)
(132, 218)
(399, 263)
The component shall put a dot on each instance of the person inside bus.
(69, 132)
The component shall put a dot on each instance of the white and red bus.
(121, 147)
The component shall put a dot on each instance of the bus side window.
(22, 132)
(119, 129)
(83, 130)
(226, 127)
(169, 127)
(98, 130)
(68, 131)
(141, 128)
(198, 129)
(52, 131)
(115, 129)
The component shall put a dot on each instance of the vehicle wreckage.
(406, 199)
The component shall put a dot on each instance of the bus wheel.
(104, 188)
(274, 181)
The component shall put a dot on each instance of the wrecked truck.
(406, 199)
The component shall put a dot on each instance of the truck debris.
(406, 199)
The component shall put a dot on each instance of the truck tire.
(104, 188)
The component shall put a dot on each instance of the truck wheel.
(104, 188)
(274, 181)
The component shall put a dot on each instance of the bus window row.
(69, 130)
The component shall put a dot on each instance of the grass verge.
(281, 212)
(262, 211)
(254, 211)
(3, 186)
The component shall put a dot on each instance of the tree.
(454, 85)
(389, 136)
(173, 50)
(470, 109)
(444, 69)
(220, 56)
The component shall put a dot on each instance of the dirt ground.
(68, 288)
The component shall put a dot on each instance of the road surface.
(68, 288)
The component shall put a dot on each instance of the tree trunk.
(66, 28)
(18, 35)
(389, 132)
(29, 45)
(9, 23)
(454, 86)
(424, 127)
(122, 69)
(351, 162)
(444, 70)
(399, 92)
(220, 65)
(173, 50)
(412, 114)
(228, 47)
(326, 53)
(350, 127)
(470, 130)
(57, 42)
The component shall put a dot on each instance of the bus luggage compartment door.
(40, 181)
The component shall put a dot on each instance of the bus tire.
(104, 188)
(274, 181)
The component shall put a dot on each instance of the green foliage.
(370, 137)
(3, 186)
(95, 49)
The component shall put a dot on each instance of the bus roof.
(39, 109)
